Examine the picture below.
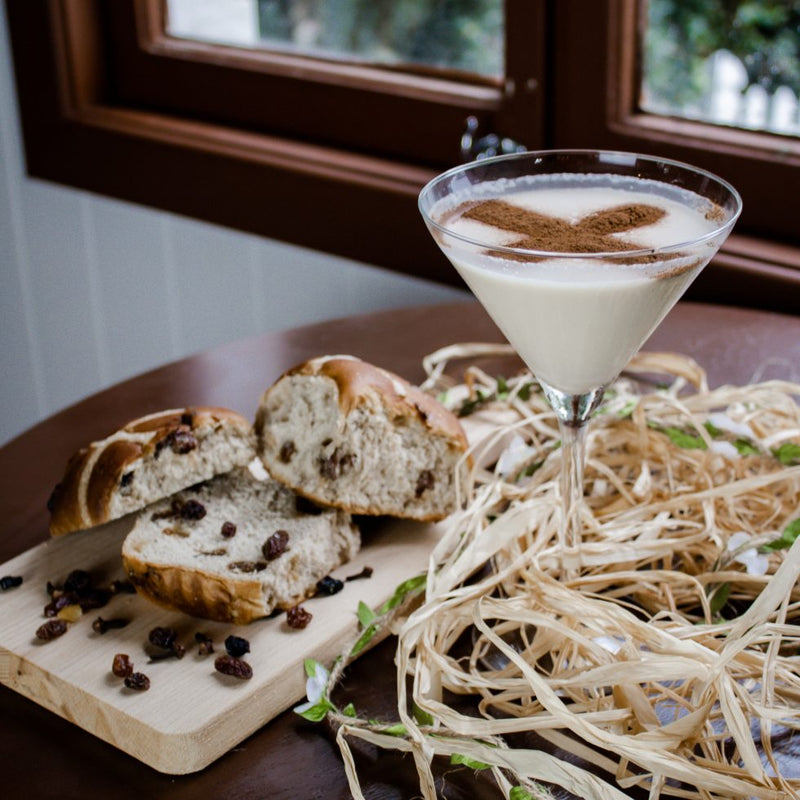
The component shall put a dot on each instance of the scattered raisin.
(126, 479)
(193, 510)
(76, 591)
(138, 681)
(122, 587)
(187, 418)
(10, 582)
(121, 666)
(236, 646)
(365, 573)
(228, 530)
(79, 580)
(329, 585)
(297, 617)
(101, 625)
(425, 481)
(235, 667)
(288, 449)
(218, 551)
(276, 545)
(166, 639)
(94, 598)
(70, 613)
(205, 645)
(60, 600)
(51, 629)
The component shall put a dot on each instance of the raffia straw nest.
(671, 661)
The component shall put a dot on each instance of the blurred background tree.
(457, 34)
(681, 34)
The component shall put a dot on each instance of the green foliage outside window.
(681, 34)
(457, 34)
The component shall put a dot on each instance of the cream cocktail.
(576, 322)
(577, 255)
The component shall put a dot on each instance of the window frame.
(748, 159)
(78, 130)
(413, 114)
(759, 265)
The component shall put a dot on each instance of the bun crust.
(360, 383)
(146, 460)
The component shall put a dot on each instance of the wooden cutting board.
(191, 714)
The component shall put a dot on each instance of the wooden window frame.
(85, 124)
(79, 130)
(759, 265)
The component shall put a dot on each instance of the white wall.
(95, 290)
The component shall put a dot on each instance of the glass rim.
(553, 254)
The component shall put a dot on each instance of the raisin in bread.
(146, 460)
(345, 433)
(235, 548)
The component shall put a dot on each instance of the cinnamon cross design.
(592, 234)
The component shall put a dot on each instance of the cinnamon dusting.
(595, 233)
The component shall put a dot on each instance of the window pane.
(729, 62)
(451, 34)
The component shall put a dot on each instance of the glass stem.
(573, 412)
(573, 456)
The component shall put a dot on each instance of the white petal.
(725, 449)
(737, 540)
(754, 562)
(610, 643)
(317, 684)
(515, 454)
(643, 482)
(725, 423)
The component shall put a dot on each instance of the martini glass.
(577, 255)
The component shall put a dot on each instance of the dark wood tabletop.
(43, 756)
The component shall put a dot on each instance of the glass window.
(464, 35)
(729, 62)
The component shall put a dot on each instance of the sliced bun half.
(146, 460)
(207, 551)
(347, 434)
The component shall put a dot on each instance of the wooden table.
(43, 756)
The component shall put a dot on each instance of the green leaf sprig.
(788, 453)
(316, 708)
(458, 758)
(502, 392)
(785, 540)
(318, 704)
(370, 620)
(679, 438)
